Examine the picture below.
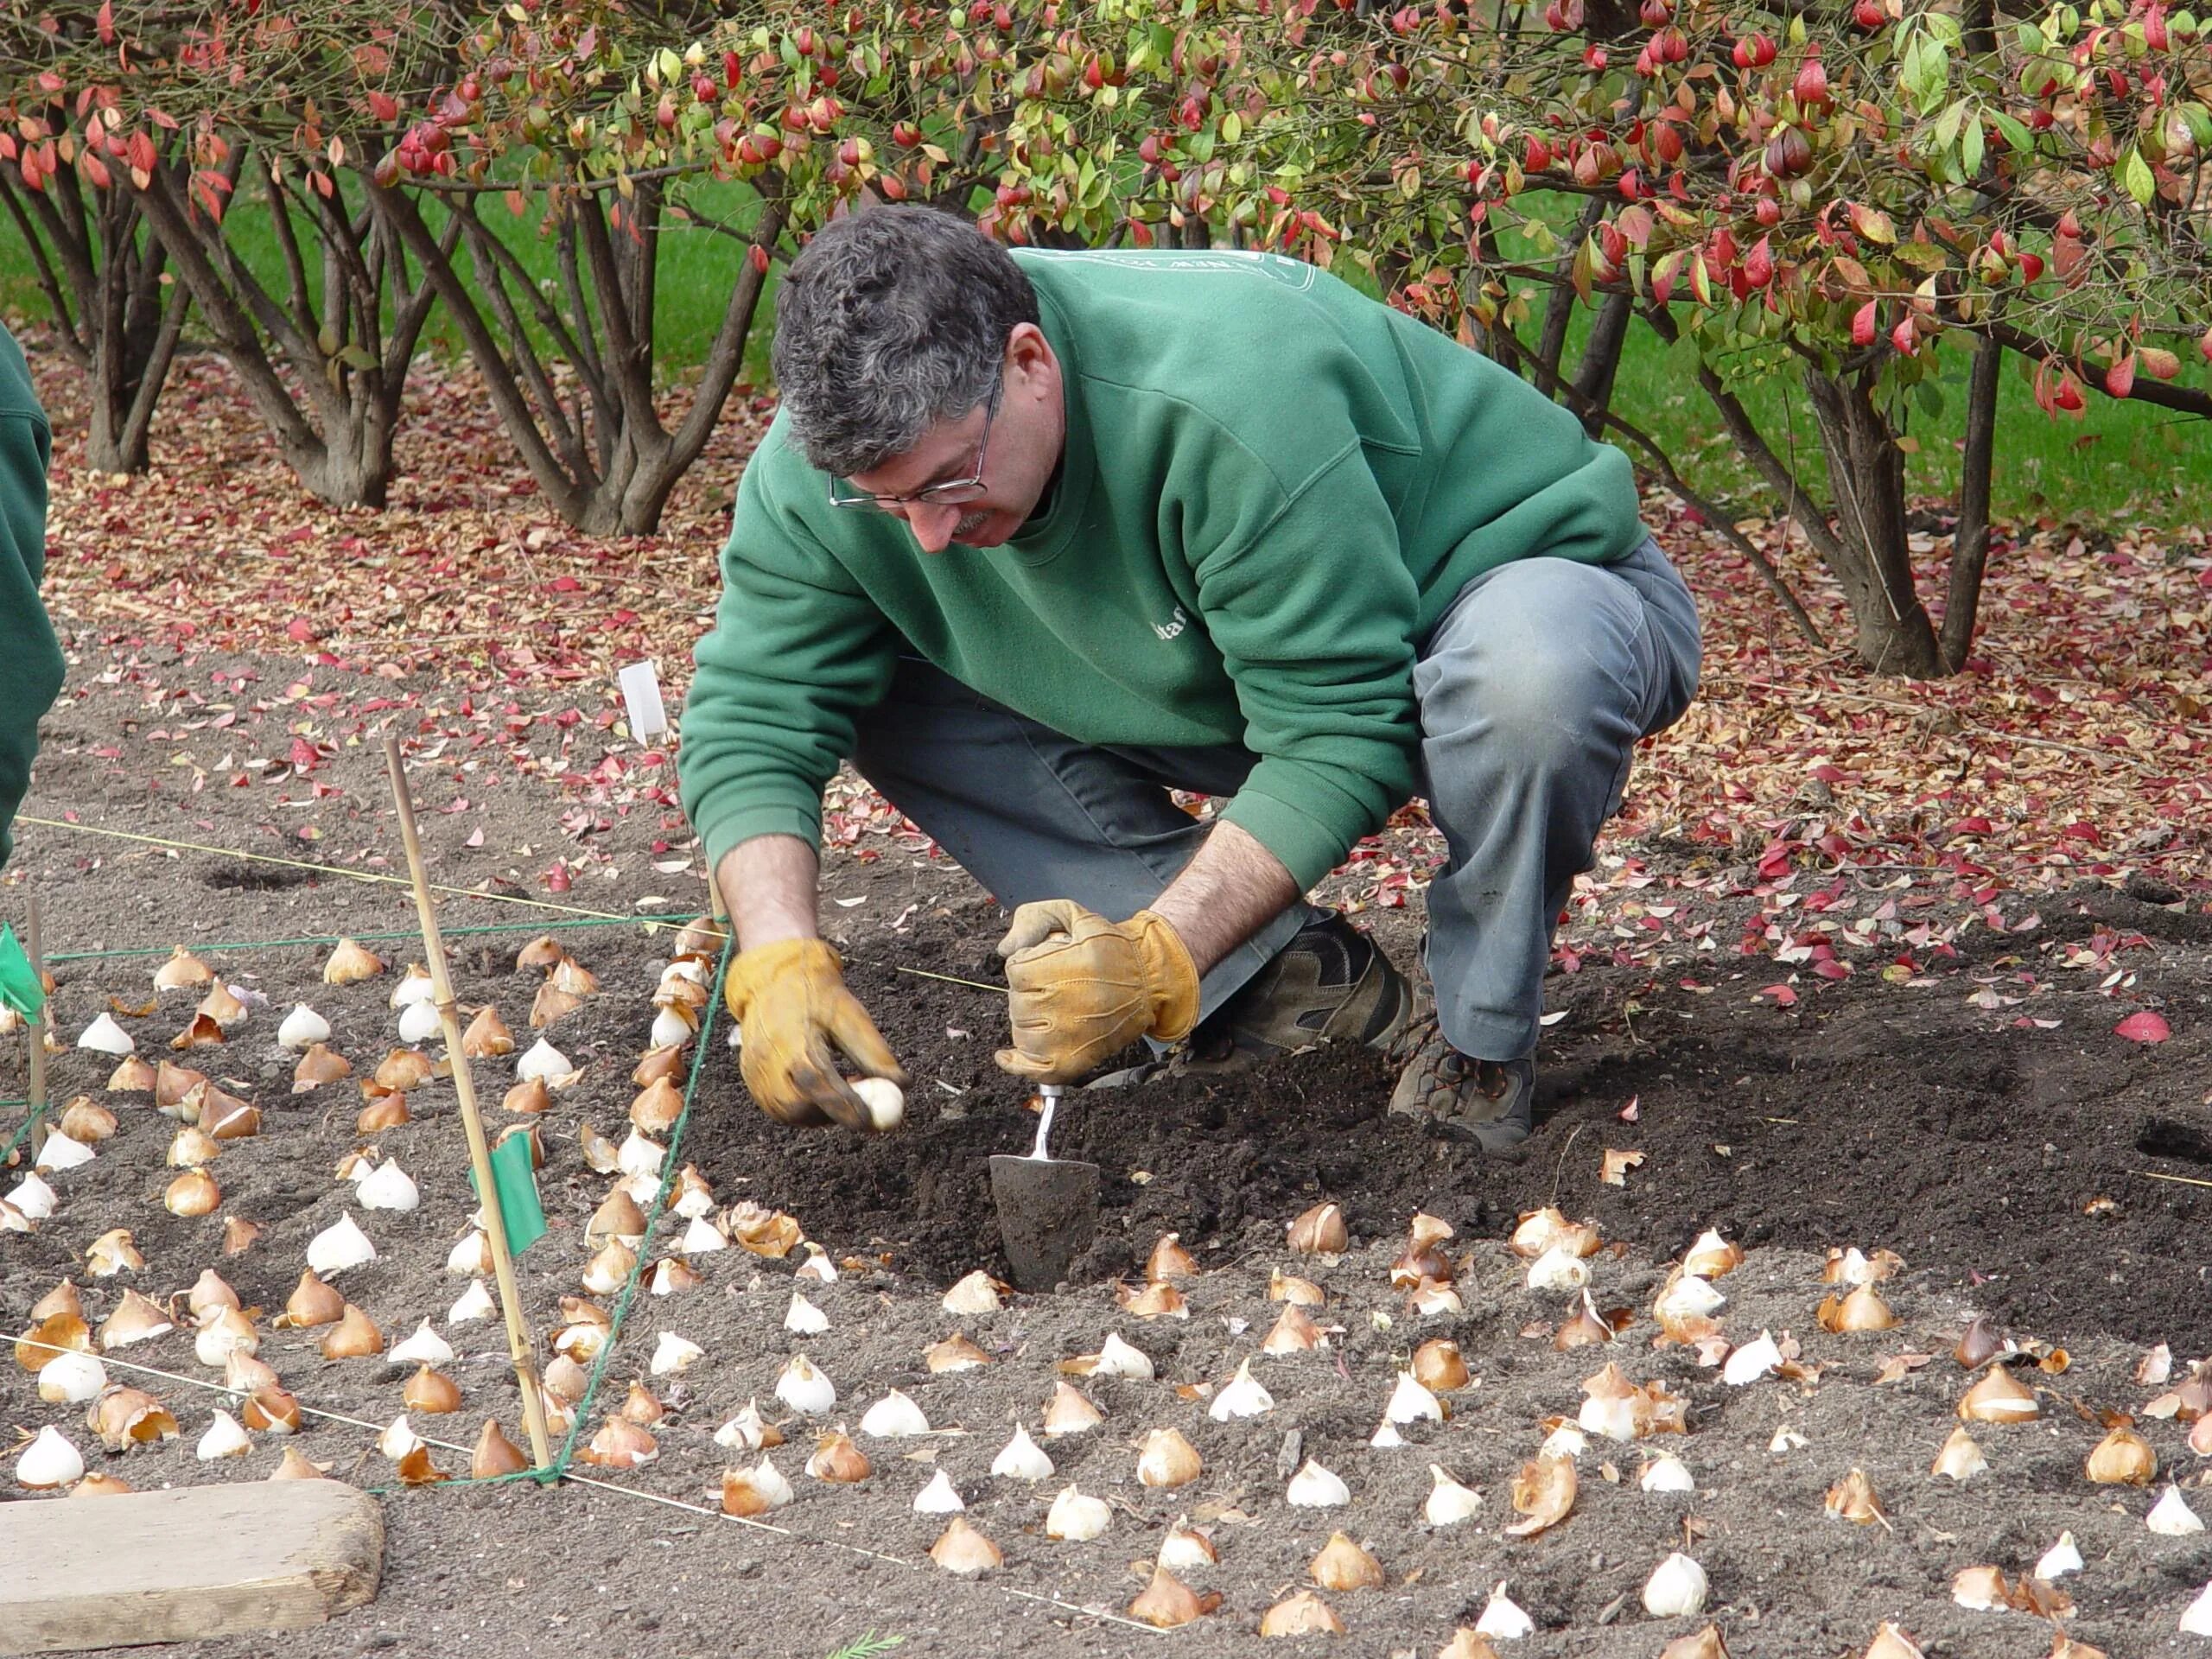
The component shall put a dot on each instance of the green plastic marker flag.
(19, 982)
(518, 1186)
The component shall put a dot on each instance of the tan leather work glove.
(790, 1002)
(1084, 988)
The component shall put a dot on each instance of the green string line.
(7, 1152)
(581, 1421)
(330, 939)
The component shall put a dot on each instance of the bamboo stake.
(36, 1025)
(519, 1346)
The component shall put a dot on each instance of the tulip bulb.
(1853, 1498)
(893, 1417)
(1440, 1367)
(50, 1460)
(940, 1496)
(349, 963)
(1302, 1613)
(621, 1444)
(425, 1347)
(182, 971)
(1667, 1473)
(388, 1187)
(86, 1122)
(1343, 1564)
(225, 1331)
(1167, 1460)
(1677, 1587)
(1891, 1642)
(431, 1392)
(471, 1255)
(135, 1320)
(1862, 1310)
(837, 1459)
(2123, 1458)
(1960, 1458)
(2061, 1559)
(747, 1431)
(132, 1076)
(1752, 1361)
(1713, 1257)
(755, 1490)
(1021, 1459)
(354, 1337)
(1169, 1261)
(104, 1036)
(111, 1253)
(1316, 1488)
(1466, 1644)
(1503, 1619)
(2170, 1517)
(302, 1028)
(123, 1417)
(1168, 1602)
(1979, 1589)
(271, 1408)
(1319, 1231)
(619, 1216)
(674, 1355)
(418, 1022)
(2197, 1618)
(1241, 1396)
(1998, 1397)
(495, 1454)
(224, 1439)
(1293, 1333)
(965, 1552)
(1070, 1413)
(339, 1246)
(803, 1317)
(805, 1388)
(1410, 1402)
(609, 1269)
(1118, 1359)
(190, 1195)
(955, 1353)
(1299, 1293)
(100, 1485)
(1386, 1436)
(545, 1063)
(72, 1378)
(1075, 1518)
(1541, 1232)
(63, 1150)
(1558, 1268)
(1448, 1503)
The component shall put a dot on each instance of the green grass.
(2122, 465)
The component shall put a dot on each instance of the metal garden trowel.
(1048, 1206)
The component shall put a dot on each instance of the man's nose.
(932, 524)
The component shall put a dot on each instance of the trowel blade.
(1048, 1212)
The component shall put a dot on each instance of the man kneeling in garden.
(1038, 537)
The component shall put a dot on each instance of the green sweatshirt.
(31, 660)
(1273, 488)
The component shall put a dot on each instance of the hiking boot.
(1330, 984)
(1492, 1099)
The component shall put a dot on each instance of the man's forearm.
(1230, 890)
(770, 884)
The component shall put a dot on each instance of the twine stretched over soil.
(592, 918)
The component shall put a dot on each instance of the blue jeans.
(1534, 689)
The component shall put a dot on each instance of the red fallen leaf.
(557, 878)
(2144, 1027)
(1630, 1113)
(1785, 996)
(1828, 968)
(300, 629)
(303, 755)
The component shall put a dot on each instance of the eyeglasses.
(952, 493)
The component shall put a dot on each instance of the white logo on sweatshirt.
(1169, 630)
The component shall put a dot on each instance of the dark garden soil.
(2012, 1164)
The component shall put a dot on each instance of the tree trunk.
(1970, 539)
(1873, 562)
(1601, 362)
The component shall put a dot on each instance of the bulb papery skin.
(893, 1417)
(805, 1387)
(2170, 1517)
(1022, 1458)
(1316, 1488)
(1677, 1586)
(1667, 1473)
(1075, 1518)
(1448, 1503)
(1750, 1361)
(1243, 1396)
(1565, 1441)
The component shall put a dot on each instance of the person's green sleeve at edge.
(31, 657)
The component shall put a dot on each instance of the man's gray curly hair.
(890, 320)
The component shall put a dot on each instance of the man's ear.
(1028, 350)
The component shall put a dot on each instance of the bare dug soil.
(1848, 974)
